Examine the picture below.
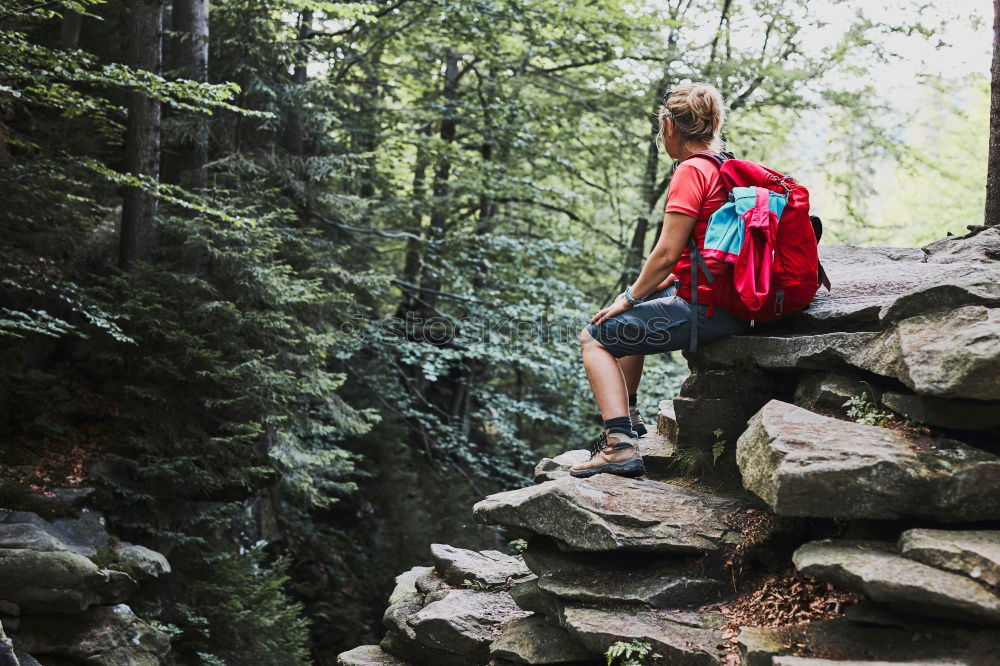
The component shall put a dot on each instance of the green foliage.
(270, 387)
(863, 410)
(630, 653)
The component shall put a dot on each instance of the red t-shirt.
(696, 189)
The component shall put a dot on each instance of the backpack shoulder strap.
(719, 158)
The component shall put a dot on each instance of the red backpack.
(766, 232)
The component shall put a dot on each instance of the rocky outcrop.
(485, 568)
(881, 575)
(605, 513)
(895, 380)
(974, 553)
(58, 603)
(624, 578)
(532, 640)
(39, 573)
(805, 464)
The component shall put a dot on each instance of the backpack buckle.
(779, 302)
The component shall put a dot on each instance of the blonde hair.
(698, 113)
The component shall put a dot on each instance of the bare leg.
(606, 380)
(632, 370)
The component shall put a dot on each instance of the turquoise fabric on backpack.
(724, 235)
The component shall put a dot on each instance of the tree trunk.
(993, 164)
(69, 30)
(190, 20)
(295, 140)
(142, 136)
(443, 172)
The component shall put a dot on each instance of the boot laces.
(599, 444)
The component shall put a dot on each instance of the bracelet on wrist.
(632, 300)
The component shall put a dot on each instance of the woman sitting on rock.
(653, 315)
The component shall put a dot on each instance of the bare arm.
(656, 272)
(665, 255)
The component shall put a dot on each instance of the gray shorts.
(662, 323)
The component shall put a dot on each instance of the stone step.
(487, 568)
(532, 640)
(953, 354)
(883, 576)
(662, 582)
(682, 638)
(611, 513)
(805, 464)
(974, 553)
(368, 655)
(845, 641)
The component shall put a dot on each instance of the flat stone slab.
(464, 622)
(607, 512)
(842, 641)
(974, 553)
(809, 661)
(683, 638)
(897, 581)
(944, 413)
(406, 585)
(486, 567)
(805, 464)
(666, 421)
(949, 354)
(865, 280)
(550, 469)
(625, 578)
(532, 640)
(368, 655)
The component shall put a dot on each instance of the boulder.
(805, 464)
(701, 422)
(619, 578)
(979, 247)
(974, 553)
(368, 655)
(528, 596)
(464, 622)
(550, 469)
(810, 661)
(39, 574)
(406, 585)
(410, 651)
(102, 635)
(607, 512)
(683, 638)
(82, 535)
(951, 354)
(894, 580)
(849, 642)
(972, 285)
(143, 563)
(485, 568)
(792, 352)
(956, 414)
(865, 280)
(532, 640)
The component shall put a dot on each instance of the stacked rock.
(874, 416)
(620, 560)
(56, 603)
(885, 405)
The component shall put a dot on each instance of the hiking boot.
(614, 452)
(637, 424)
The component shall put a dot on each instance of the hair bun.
(698, 112)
